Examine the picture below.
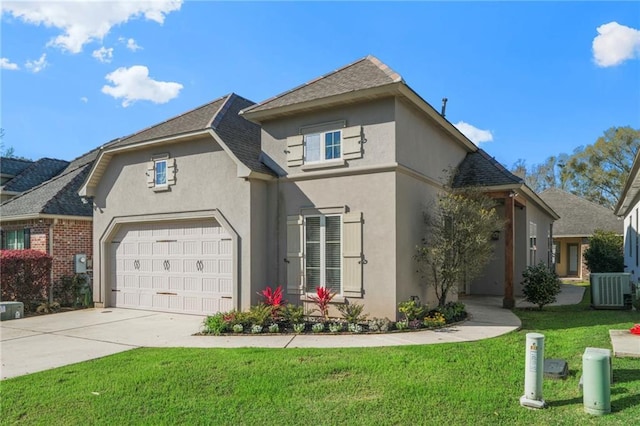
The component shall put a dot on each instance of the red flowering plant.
(321, 299)
(274, 299)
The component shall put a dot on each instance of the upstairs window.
(160, 173)
(322, 146)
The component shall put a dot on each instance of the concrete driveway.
(39, 343)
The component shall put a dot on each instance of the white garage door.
(181, 267)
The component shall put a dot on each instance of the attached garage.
(179, 266)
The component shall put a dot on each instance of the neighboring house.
(579, 218)
(19, 175)
(51, 218)
(628, 207)
(323, 185)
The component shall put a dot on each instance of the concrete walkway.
(39, 343)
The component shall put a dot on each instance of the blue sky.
(537, 79)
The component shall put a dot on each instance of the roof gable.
(366, 73)
(36, 173)
(579, 217)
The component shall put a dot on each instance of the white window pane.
(161, 173)
(312, 147)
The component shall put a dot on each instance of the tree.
(457, 243)
(605, 252)
(544, 175)
(598, 172)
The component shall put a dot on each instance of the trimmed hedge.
(25, 276)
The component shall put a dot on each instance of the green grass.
(475, 383)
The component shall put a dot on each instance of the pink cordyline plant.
(321, 299)
(273, 298)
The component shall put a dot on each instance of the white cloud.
(37, 65)
(615, 44)
(6, 64)
(477, 136)
(132, 45)
(103, 54)
(84, 99)
(84, 21)
(134, 84)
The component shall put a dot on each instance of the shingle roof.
(197, 119)
(58, 196)
(13, 166)
(579, 217)
(88, 157)
(240, 135)
(480, 169)
(36, 173)
(365, 73)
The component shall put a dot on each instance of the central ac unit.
(610, 290)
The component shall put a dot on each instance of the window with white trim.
(533, 242)
(160, 173)
(323, 146)
(323, 253)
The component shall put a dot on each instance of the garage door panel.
(177, 267)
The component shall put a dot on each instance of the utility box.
(80, 263)
(597, 376)
(11, 310)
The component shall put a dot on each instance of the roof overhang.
(104, 158)
(631, 190)
(36, 216)
(525, 190)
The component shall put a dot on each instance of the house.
(579, 218)
(628, 207)
(51, 217)
(18, 175)
(323, 185)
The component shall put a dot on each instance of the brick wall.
(70, 237)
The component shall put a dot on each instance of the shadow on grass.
(624, 375)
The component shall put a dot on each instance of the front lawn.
(458, 384)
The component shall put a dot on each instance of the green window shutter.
(352, 142)
(171, 171)
(151, 174)
(3, 240)
(27, 238)
(295, 150)
(294, 254)
(352, 256)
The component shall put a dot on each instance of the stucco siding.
(206, 179)
(414, 198)
(376, 117)
(422, 145)
(374, 196)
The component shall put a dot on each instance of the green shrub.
(452, 312)
(238, 328)
(380, 324)
(541, 285)
(256, 329)
(355, 328)
(605, 252)
(299, 327)
(260, 314)
(352, 312)
(412, 309)
(318, 327)
(434, 320)
(336, 327)
(274, 328)
(215, 324)
(293, 314)
(402, 325)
